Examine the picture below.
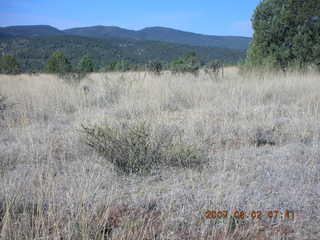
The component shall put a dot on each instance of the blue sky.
(214, 17)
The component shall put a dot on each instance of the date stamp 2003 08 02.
(254, 215)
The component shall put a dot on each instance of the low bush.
(155, 67)
(135, 149)
(214, 69)
(4, 105)
(263, 137)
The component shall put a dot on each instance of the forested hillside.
(33, 53)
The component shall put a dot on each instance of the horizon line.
(186, 31)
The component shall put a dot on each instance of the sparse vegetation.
(6, 163)
(257, 140)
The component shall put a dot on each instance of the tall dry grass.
(261, 135)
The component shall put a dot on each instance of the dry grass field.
(257, 139)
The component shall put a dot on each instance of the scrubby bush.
(4, 105)
(9, 65)
(135, 149)
(286, 34)
(155, 67)
(58, 63)
(214, 68)
(263, 137)
(189, 63)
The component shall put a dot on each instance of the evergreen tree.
(9, 65)
(286, 33)
(58, 63)
(86, 64)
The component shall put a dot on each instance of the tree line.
(33, 53)
(58, 63)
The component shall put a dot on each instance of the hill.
(152, 33)
(29, 31)
(165, 35)
(104, 32)
(33, 53)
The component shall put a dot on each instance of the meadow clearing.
(256, 137)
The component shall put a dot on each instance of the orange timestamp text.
(254, 215)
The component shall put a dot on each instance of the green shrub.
(59, 64)
(136, 150)
(9, 65)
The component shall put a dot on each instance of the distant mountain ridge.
(30, 31)
(164, 35)
(151, 33)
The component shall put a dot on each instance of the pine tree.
(58, 63)
(86, 65)
(286, 33)
(9, 64)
